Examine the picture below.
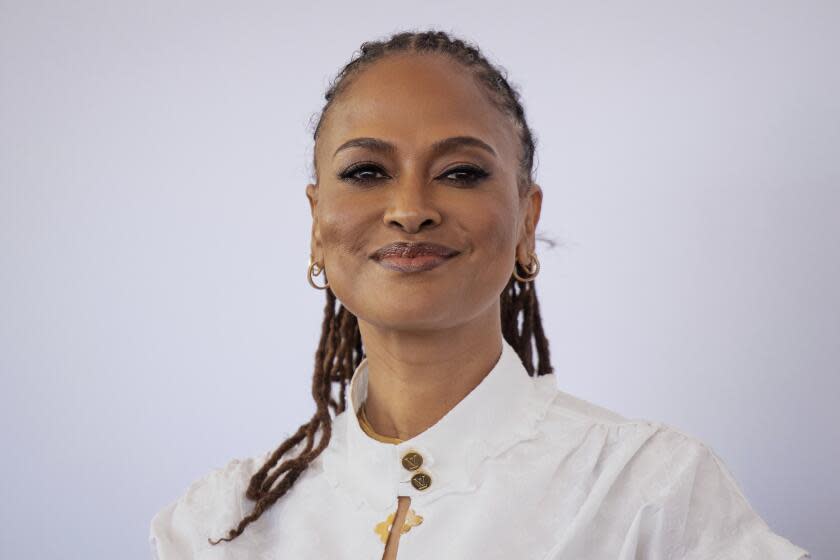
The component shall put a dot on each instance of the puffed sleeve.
(704, 515)
(166, 539)
(210, 506)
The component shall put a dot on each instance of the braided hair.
(340, 349)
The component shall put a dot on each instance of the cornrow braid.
(340, 349)
(493, 79)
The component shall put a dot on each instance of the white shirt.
(519, 470)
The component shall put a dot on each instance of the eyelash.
(477, 174)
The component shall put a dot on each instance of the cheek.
(343, 230)
(494, 232)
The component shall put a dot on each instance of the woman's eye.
(363, 173)
(466, 174)
(367, 173)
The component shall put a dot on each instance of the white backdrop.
(155, 319)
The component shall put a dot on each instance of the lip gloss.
(413, 264)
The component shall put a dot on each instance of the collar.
(501, 411)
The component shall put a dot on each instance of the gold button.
(421, 481)
(412, 460)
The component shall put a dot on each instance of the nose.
(411, 207)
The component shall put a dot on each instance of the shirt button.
(421, 481)
(412, 460)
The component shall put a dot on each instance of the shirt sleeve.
(164, 539)
(209, 508)
(704, 515)
(172, 532)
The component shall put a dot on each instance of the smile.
(413, 264)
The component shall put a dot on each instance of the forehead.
(413, 100)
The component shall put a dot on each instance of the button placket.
(421, 480)
(416, 460)
(412, 461)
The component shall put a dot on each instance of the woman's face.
(399, 187)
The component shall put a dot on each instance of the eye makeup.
(468, 174)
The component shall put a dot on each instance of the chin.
(409, 313)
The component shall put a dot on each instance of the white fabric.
(519, 468)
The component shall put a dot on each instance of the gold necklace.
(368, 429)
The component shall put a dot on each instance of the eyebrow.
(439, 147)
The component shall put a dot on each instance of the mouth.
(413, 257)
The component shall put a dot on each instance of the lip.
(404, 256)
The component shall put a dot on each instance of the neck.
(415, 378)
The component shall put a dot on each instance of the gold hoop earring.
(316, 269)
(532, 270)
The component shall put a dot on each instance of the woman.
(458, 444)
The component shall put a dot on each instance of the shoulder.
(632, 456)
(566, 414)
(569, 405)
(640, 458)
(660, 478)
(650, 456)
(216, 503)
(210, 507)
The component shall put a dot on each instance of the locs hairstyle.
(340, 348)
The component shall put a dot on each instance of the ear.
(531, 205)
(315, 242)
